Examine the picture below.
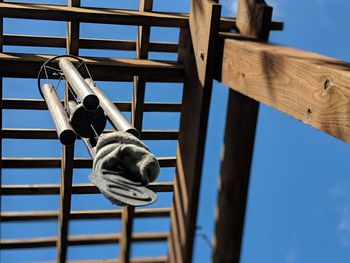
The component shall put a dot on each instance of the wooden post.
(253, 20)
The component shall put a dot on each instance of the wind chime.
(123, 166)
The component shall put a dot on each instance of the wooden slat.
(132, 260)
(88, 43)
(9, 162)
(14, 216)
(80, 240)
(42, 134)
(53, 189)
(142, 43)
(126, 233)
(106, 16)
(304, 85)
(65, 201)
(190, 149)
(72, 48)
(121, 69)
(34, 104)
(254, 18)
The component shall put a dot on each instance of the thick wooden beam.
(100, 68)
(80, 240)
(190, 150)
(34, 104)
(106, 16)
(197, 53)
(9, 162)
(304, 85)
(254, 18)
(54, 189)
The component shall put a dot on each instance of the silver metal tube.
(76, 81)
(59, 116)
(117, 119)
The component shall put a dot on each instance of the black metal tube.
(76, 81)
(71, 108)
(117, 119)
(59, 116)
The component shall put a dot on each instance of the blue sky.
(299, 199)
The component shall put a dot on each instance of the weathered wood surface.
(307, 86)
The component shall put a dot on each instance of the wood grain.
(307, 86)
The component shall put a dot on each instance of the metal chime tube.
(115, 116)
(76, 81)
(59, 116)
(71, 107)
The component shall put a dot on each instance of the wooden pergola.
(304, 85)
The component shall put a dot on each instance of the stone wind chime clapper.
(123, 166)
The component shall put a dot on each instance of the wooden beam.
(142, 46)
(42, 134)
(192, 132)
(89, 43)
(65, 201)
(160, 259)
(15, 216)
(10, 162)
(126, 233)
(80, 240)
(34, 104)
(197, 52)
(100, 68)
(106, 16)
(68, 152)
(304, 85)
(53, 189)
(254, 19)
